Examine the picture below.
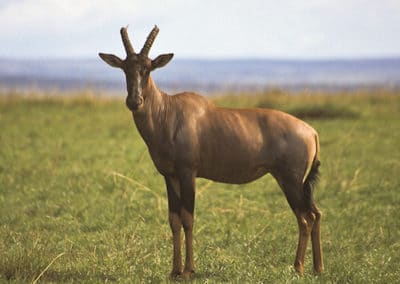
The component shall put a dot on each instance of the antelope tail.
(312, 178)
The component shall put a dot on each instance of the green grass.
(80, 200)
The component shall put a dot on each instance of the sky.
(295, 29)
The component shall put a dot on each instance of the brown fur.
(188, 137)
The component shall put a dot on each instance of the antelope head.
(137, 67)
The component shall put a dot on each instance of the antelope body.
(188, 137)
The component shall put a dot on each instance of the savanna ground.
(80, 200)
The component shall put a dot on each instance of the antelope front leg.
(187, 185)
(174, 211)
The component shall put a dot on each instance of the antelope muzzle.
(134, 102)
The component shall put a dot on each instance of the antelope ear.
(161, 60)
(111, 60)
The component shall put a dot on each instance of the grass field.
(80, 200)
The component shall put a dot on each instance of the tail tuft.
(311, 182)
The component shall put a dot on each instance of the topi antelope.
(188, 137)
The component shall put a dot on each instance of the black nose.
(133, 103)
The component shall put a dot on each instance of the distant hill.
(206, 76)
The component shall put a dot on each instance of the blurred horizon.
(207, 76)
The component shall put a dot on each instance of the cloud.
(46, 27)
(47, 16)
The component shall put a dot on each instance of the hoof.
(318, 270)
(175, 275)
(299, 269)
(186, 274)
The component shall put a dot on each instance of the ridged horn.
(149, 41)
(127, 43)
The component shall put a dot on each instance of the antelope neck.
(153, 115)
